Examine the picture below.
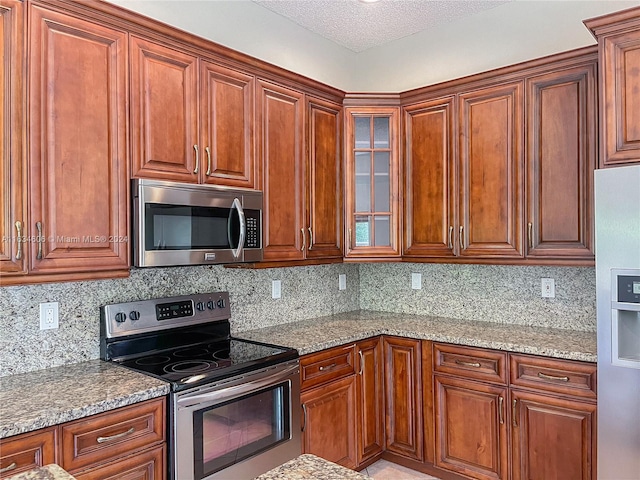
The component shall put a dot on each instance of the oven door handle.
(243, 228)
(223, 393)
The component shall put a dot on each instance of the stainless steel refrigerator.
(617, 234)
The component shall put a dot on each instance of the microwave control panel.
(629, 288)
(252, 218)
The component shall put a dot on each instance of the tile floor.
(383, 470)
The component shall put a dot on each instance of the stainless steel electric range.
(234, 404)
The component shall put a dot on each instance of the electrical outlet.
(416, 281)
(548, 288)
(342, 281)
(48, 315)
(276, 289)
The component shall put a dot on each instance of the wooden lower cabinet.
(31, 450)
(329, 423)
(370, 391)
(552, 438)
(471, 428)
(127, 443)
(403, 397)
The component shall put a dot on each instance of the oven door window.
(182, 227)
(230, 432)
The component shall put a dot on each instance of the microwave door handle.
(243, 228)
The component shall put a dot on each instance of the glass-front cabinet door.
(372, 181)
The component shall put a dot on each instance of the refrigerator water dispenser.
(625, 318)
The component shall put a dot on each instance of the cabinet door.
(79, 177)
(280, 123)
(561, 158)
(25, 452)
(552, 438)
(164, 113)
(620, 126)
(403, 397)
(372, 182)
(227, 99)
(370, 388)
(329, 423)
(429, 195)
(490, 172)
(471, 428)
(325, 225)
(13, 221)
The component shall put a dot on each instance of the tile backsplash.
(492, 293)
(505, 294)
(307, 292)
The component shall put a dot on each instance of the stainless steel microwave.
(185, 224)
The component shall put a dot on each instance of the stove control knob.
(134, 315)
(221, 303)
(121, 317)
(211, 305)
(200, 306)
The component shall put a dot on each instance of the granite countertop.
(48, 472)
(317, 334)
(310, 467)
(42, 398)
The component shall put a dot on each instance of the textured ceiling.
(359, 26)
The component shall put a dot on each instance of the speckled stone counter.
(38, 399)
(310, 467)
(48, 472)
(317, 334)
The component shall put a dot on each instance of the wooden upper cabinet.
(280, 127)
(164, 112)
(618, 37)
(78, 161)
(372, 191)
(560, 161)
(490, 172)
(324, 198)
(227, 103)
(13, 220)
(430, 178)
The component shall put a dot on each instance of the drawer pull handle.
(514, 412)
(8, 468)
(468, 364)
(327, 367)
(553, 377)
(116, 436)
(501, 408)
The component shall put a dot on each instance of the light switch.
(342, 281)
(275, 289)
(416, 281)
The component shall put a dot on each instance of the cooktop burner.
(223, 357)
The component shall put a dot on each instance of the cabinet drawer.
(102, 437)
(146, 465)
(554, 375)
(327, 365)
(470, 362)
(24, 452)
